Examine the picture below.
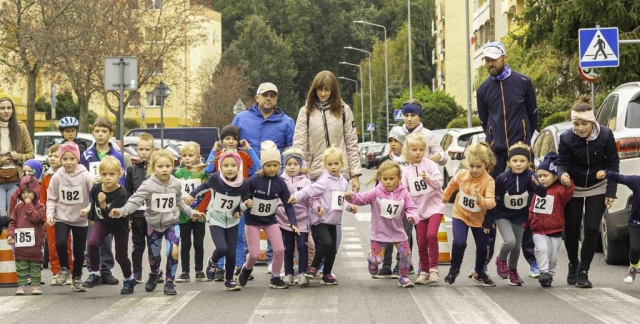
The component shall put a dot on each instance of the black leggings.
(634, 243)
(324, 236)
(139, 239)
(225, 240)
(79, 244)
(592, 208)
(290, 241)
(198, 229)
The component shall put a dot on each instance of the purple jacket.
(322, 189)
(430, 203)
(383, 229)
(301, 208)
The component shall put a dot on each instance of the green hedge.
(555, 118)
(461, 122)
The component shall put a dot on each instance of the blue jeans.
(241, 247)
(6, 191)
(460, 232)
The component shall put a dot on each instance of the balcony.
(482, 15)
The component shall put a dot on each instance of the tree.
(438, 108)
(131, 123)
(65, 106)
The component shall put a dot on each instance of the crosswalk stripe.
(14, 309)
(459, 305)
(278, 306)
(606, 304)
(156, 309)
(351, 239)
(351, 246)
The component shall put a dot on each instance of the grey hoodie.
(158, 220)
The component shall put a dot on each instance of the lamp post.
(409, 47)
(361, 94)
(386, 68)
(362, 110)
(370, 95)
(162, 91)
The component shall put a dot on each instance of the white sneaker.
(304, 281)
(69, 281)
(423, 278)
(54, 281)
(433, 276)
(269, 269)
(296, 279)
(288, 279)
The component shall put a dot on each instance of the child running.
(389, 202)
(230, 194)
(546, 218)
(266, 188)
(513, 188)
(106, 196)
(330, 188)
(476, 195)
(26, 231)
(424, 181)
(295, 176)
(162, 194)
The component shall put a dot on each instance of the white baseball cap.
(267, 86)
(494, 50)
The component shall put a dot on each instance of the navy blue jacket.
(214, 182)
(633, 182)
(255, 128)
(269, 188)
(516, 184)
(90, 155)
(508, 111)
(582, 159)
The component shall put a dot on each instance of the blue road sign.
(371, 127)
(599, 47)
(398, 116)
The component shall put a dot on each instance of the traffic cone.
(444, 258)
(263, 246)
(8, 274)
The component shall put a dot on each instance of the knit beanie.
(230, 130)
(549, 163)
(69, 147)
(397, 133)
(412, 108)
(296, 156)
(36, 166)
(269, 152)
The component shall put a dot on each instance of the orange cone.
(8, 274)
(443, 244)
(263, 246)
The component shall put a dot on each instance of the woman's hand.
(609, 202)
(15, 155)
(248, 203)
(355, 183)
(435, 158)
(601, 175)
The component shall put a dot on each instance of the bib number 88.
(264, 208)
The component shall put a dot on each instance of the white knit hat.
(269, 152)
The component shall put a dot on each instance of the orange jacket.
(466, 183)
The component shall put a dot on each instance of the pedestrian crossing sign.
(599, 47)
(398, 116)
(371, 127)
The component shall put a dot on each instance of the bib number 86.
(468, 202)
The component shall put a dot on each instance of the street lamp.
(409, 47)
(361, 94)
(386, 69)
(370, 96)
(361, 109)
(162, 91)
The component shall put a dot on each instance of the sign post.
(53, 106)
(163, 92)
(120, 74)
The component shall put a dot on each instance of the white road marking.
(459, 305)
(13, 309)
(284, 307)
(350, 239)
(351, 246)
(348, 228)
(156, 309)
(358, 254)
(606, 304)
(363, 217)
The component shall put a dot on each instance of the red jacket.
(25, 216)
(544, 223)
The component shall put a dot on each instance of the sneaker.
(502, 271)
(473, 271)
(36, 290)
(396, 273)
(152, 282)
(63, 276)
(373, 267)
(278, 283)
(583, 279)
(237, 272)
(304, 281)
(200, 277)
(483, 279)
(77, 285)
(434, 276)
(69, 281)
(545, 279)
(329, 280)
(405, 282)
(127, 286)
(219, 276)
(211, 270)
(243, 277)
(451, 277)
(533, 270)
(288, 279)
(319, 275)
(296, 278)
(92, 281)
(231, 285)
(411, 270)
(159, 278)
(54, 280)
(170, 288)
(269, 269)
(423, 278)
(42, 282)
(21, 291)
(109, 279)
(311, 273)
(572, 276)
(383, 273)
(184, 277)
(138, 278)
(630, 275)
(514, 278)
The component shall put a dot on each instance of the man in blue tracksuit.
(508, 111)
(262, 121)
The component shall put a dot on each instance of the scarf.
(323, 105)
(398, 159)
(5, 142)
(237, 181)
(505, 73)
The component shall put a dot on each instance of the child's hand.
(320, 211)
(198, 215)
(217, 146)
(92, 223)
(565, 179)
(102, 197)
(236, 215)
(535, 181)
(189, 199)
(348, 195)
(601, 175)
(294, 228)
(411, 220)
(27, 201)
(10, 240)
(244, 145)
(292, 200)
(115, 213)
(423, 175)
(354, 209)
(51, 221)
(248, 203)
(478, 195)
(84, 212)
(435, 158)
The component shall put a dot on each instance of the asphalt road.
(357, 299)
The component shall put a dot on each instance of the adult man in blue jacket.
(508, 111)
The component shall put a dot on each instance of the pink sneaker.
(405, 282)
(514, 278)
(502, 269)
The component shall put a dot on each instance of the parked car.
(173, 146)
(43, 140)
(439, 133)
(205, 136)
(362, 152)
(548, 140)
(453, 144)
(374, 153)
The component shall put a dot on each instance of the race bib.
(543, 205)
(418, 187)
(225, 204)
(337, 200)
(163, 203)
(263, 207)
(94, 168)
(188, 185)
(391, 208)
(516, 201)
(25, 237)
(71, 195)
(468, 202)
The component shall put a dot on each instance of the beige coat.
(310, 139)
(26, 151)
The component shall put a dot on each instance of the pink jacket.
(433, 146)
(322, 189)
(301, 208)
(384, 229)
(430, 203)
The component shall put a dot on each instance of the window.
(538, 144)
(135, 99)
(153, 35)
(446, 141)
(153, 4)
(156, 66)
(548, 144)
(153, 100)
(604, 113)
(633, 114)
